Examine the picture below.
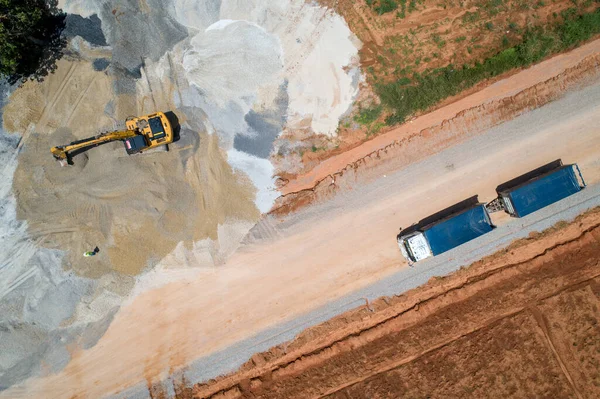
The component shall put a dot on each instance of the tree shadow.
(43, 46)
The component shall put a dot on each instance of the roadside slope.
(444, 127)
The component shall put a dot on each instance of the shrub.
(30, 38)
(367, 116)
(382, 6)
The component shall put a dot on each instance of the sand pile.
(251, 70)
(319, 54)
(136, 209)
(245, 72)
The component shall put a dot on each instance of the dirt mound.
(521, 323)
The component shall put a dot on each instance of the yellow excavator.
(143, 133)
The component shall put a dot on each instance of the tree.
(30, 38)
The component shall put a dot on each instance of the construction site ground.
(207, 324)
(521, 323)
(195, 275)
(442, 128)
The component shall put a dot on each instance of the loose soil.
(521, 323)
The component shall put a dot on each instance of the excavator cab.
(142, 134)
(135, 144)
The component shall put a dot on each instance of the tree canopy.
(30, 38)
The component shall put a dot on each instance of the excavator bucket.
(61, 156)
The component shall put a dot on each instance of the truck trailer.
(537, 189)
(445, 230)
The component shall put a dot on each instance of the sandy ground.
(233, 72)
(310, 261)
(110, 200)
(521, 323)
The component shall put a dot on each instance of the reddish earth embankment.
(443, 128)
(522, 323)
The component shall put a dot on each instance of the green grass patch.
(374, 129)
(406, 96)
(383, 6)
(366, 116)
(412, 6)
(402, 12)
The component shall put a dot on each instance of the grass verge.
(407, 96)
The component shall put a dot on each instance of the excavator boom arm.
(63, 153)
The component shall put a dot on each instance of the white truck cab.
(414, 247)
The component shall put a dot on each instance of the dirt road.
(522, 323)
(318, 255)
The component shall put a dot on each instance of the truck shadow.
(529, 175)
(462, 205)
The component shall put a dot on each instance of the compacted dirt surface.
(521, 323)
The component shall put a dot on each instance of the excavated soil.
(521, 323)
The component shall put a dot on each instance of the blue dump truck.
(537, 189)
(470, 219)
(445, 230)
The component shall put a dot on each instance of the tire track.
(542, 323)
(79, 100)
(63, 85)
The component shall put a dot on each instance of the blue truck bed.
(458, 229)
(541, 191)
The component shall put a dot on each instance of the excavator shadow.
(174, 120)
(74, 153)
